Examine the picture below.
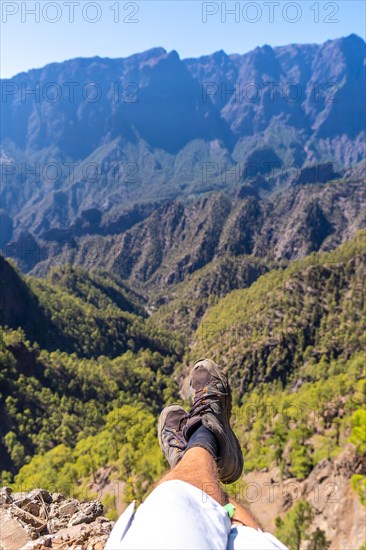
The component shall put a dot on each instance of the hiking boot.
(171, 439)
(211, 407)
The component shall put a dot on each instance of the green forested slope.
(50, 398)
(90, 314)
(292, 344)
(289, 319)
(73, 347)
(202, 289)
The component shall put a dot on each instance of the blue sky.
(113, 28)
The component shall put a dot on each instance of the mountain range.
(94, 146)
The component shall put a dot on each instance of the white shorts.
(179, 516)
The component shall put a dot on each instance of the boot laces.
(175, 439)
(200, 405)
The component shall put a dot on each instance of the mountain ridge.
(176, 240)
(167, 129)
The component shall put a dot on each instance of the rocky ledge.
(38, 519)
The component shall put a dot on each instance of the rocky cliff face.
(337, 508)
(38, 519)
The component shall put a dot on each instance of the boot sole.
(229, 441)
(161, 423)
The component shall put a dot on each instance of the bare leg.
(198, 468)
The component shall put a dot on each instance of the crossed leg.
(198, 468)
